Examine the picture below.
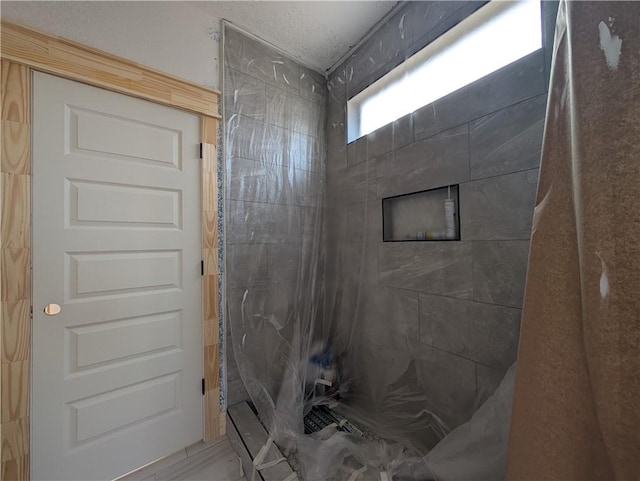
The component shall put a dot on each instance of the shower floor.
(321, 417)
(250, 440)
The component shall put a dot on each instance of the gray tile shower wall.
(456, 305)
(519, 81)
(442, 159)
(274, 112)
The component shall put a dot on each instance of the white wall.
(174, 37)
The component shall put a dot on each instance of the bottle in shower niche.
(450, 217)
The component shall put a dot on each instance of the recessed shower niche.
(429, 215)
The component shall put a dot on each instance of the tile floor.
(214, 461)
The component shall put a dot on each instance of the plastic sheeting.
(295, 336)
(274, 168)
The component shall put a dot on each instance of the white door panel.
(116, 243)
(97, 133)
(107, 205)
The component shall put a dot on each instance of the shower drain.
(321, 416)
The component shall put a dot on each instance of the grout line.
(475, 368)
(275, 203)
(530, 169)
(468, 153)
(271, 124)
(473, 119)
(461, 356)
(473, 276)
(463, 299)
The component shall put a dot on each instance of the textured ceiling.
(316, 33)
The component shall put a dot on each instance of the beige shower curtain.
(576, 411)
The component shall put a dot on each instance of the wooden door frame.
(23, 50)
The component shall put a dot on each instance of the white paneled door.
(117, 357)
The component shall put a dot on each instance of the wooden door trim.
(65, 58)
(23, 50)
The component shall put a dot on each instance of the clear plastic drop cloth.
(308, 322)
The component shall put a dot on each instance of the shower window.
(493, 37)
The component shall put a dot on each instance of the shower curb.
(248, 437)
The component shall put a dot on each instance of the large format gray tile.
(427, 15)
(363, 222)
(257, 181)
(340, 304)
(304, 151)
(292, 112)
(336, 152)
(236, 391)
(246, 265)
(244, 95)
(292, 263)
(233, 372)
(354, 184)
(355, 221)
(399, 373)
(253, 139)
(374, 222)
(498, 208)
(256, 310)
(403, 131)
(520, 80)
(431, 19)
(334, 280)
(311, 220)
(380, 141)
(279, 107)
(367, 253)
(380, 53)
(354, 262)
(265, 317)
(390, 317)
(509, 140)
(333, 193)
(265, 63)
(335, 226)
(487, 380)
(285, 263)
(308, 118)
(357, 151)
(432, 267)
(336, 118)
(500, 271)
(308, 187)
(259, 223)
(448, 383)
(481, 332)
(435, 162)
(337, 84)
(313, 86)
